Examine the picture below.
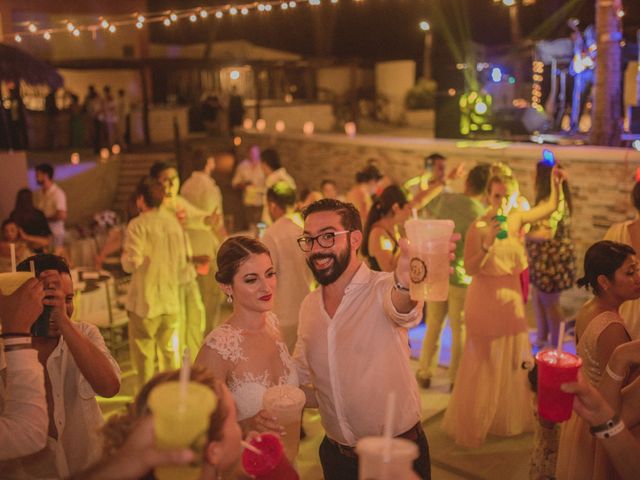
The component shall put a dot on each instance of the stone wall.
(601, 178)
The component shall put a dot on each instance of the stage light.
(496, 74)
(425, 26)
(480, 108)
(512, 80)
(261, 124)
(280, 126)
(234, 75)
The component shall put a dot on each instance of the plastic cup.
(372, 466)
(429, 263)
(10, 282)
(285, 402)
(272, 463)
(181, 420)
(554, 369)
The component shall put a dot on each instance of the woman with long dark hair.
(551, 257)
(612, 273)
(382, 229)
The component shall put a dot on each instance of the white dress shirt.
(250, 173)
(154, 253)
(355, 358)
(50, 202)
(294, 277)
(202, 192)
(24, 421)
(76, 414)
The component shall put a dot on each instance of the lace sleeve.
(227, 342)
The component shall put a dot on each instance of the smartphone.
(40, 327)
(548, 157)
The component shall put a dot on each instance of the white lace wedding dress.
(246, 381)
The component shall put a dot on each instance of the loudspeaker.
(447, 116)
(634, 120)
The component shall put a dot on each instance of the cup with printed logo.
(10, 282)
(181, 418)
(429, 258)
(398, 462)
(285, 403)
(554, 369)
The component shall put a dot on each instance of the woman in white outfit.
(247, 350)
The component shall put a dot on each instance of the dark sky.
(376, 29)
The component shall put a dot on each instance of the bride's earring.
(229, 298)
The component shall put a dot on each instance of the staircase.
(134, 166)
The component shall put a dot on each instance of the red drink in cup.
(554, 369)
(271, 464)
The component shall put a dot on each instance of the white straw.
(414, 213)
(13, 256)
(388, 425)
(32, 268)
(560, 338)
(185, 371)
(250, 447)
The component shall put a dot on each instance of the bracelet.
(17, 341)
(614, 376)
(400, 287)
(23, 346)
(11, 335)
(608, 429)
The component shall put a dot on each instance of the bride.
(247, 350)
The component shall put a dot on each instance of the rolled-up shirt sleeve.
(404, 320)
(133, 247)
(24, 421)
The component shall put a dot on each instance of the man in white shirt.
(78, 367)
(53, 202)
(201, 191)
(294, 278)
(353, 343)
(249, 178)
(192, 315)
(154, 253)
(23, 407)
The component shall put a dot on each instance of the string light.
(17, 38)
(138, 20)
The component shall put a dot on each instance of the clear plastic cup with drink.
(429, 258)
(181, 419)
(10, 282)
(271, 463)
(554, 369)
(374, 466)
(285, 402)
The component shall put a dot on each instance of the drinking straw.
(185, 372)
(560, 338)
(32, 268)
(388, 422)
(13, 257)
(414, 213)
(250, 447)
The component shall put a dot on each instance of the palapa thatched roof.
(16, 65)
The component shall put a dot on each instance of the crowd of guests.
(318, 294)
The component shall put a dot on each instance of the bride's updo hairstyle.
(233, 253)
(603, 258)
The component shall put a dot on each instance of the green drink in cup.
(181, 419)
(10, 282)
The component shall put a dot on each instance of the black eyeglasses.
(325, 240)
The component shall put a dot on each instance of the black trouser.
(341, 463)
